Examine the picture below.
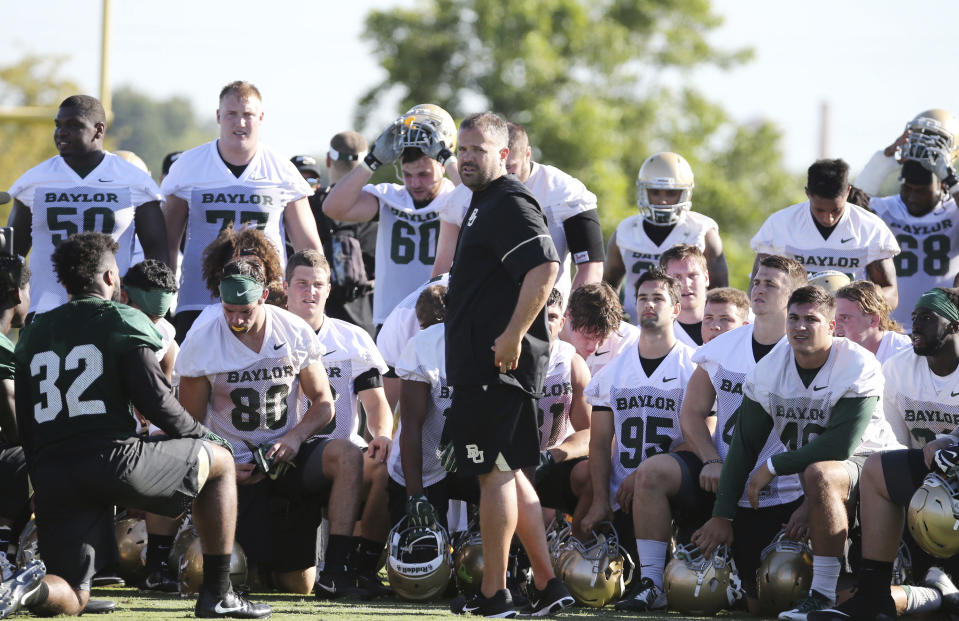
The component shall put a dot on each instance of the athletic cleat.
(811, 603)
(858, 608)
(230, 605)
(552, 599)
(332, 585)
(160, 581)
(500, 606)
(107, 577)
(22, 585)
(372, 584)
(99, 607)
(648, 597)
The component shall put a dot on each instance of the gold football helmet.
(596, 571)
(419, 564)
(699, 585)
(830, 280)
(557, 534)
(664, 171)
(181, 543)
(931, 129)
(423, 124)
(468, 563)
(785, 573)
(191, 568)
(933, 515)
(131, 536)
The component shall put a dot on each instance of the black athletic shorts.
(75, 490)
(451, 487)
(183, 321)
(14, 490)
(277, 520)
(693, 505)
(753, 530)
(493, 427)
(554, 489)
(903, 471)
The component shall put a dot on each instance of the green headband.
(939, 303)
(240, 290)
(153, 302)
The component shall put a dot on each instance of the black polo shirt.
(503, 236)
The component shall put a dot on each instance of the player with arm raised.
(232, 179)
(664, 194)
(84, 188)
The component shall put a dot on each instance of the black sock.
(367, 554)
(216, 573)
(874, 577)
(38, 597)
(337, 557)
(158, 550)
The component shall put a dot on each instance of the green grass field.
(136, 605)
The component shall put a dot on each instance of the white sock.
(652, 559)
(825, 575)
(921, 599)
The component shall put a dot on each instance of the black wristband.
(371, 162)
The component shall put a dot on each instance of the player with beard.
(84, 188)
(636, 401)
(919, 380)
(423, 141)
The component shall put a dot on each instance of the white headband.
(346, 157)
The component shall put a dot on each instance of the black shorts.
(75, 491)
(903, 471)
(692, 506)
(451, 487)
(493, 427)
(753, 530)
(14, 490)
(276, 521)
(554, 488)
(183, 321)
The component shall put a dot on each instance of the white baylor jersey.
(801, 413)
(621, 339)
(254, 394)
(727, 359)
(553, 412)
(62, 203)
(645, 409)
(215, 198)
(405, 243)
(929, 245)
(401, 324)
(891, 344)
(424, 360)
(561, 196)
(350, 353)
(918, 403)
(640, 253)
(859, 238)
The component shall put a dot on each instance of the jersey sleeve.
(523, 241)
(868, 382)
(410, 365)
(875, 172)
(598, 389)
(145, 189)
(134, 329)
(767, 238)
(176, 183)
(890, 407)
(884, 245)
(456, 204)
(400, 326)
(366, 356)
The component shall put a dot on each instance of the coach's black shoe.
(161, 581)
(553, 598)
(332, 585)
(99, 607)
(500, 606)
(859, 607)
(372, 584)
(15, 591)
(231, 605)
(107, 577)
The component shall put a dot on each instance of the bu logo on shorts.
(473, 452)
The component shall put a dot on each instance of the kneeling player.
(594, 325)
(78, 434)
(243, 372)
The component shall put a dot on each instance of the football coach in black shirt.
(497, 349)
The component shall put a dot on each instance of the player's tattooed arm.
(22, 222)
(883, 273)
(151, 231)
(615, 269)
(716, 260)
(301, 226)
(414, 397)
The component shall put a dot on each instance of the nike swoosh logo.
(257, 178)
(668, 379)
(326, 588)
(220, 609)
(843, 241)
(600, 353)
(276, 347)
(104, 180)
(816, 388)
(245, 291)
(954, 394)
(328, 353)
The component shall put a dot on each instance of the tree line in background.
(598, 85)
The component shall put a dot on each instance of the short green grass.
(134, 605)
